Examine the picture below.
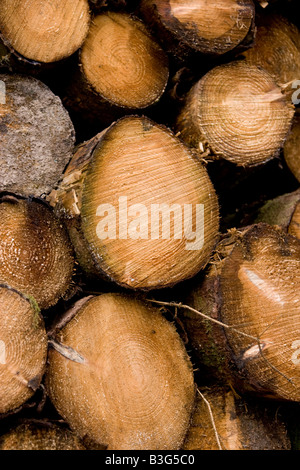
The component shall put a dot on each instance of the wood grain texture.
(199, 26)
(238, 112)
(36, 256)
(23, 335)
(39, 436)
(44, 31)
(276, 48)
(235, 423)
(145, 163)
(133, 388)
(254, 288)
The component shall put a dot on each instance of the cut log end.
(202, 26)
(266, 263)
(134, 388)
(254, 291)
(45, 31)
(291, 148)
(149, 213)
(23, 349)
(36, 256)
(222, 421)
(239, 112)
(122, 63)
(277, 48)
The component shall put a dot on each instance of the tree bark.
(283, 211)
(39, 435)
(200, 26)
(36, 136)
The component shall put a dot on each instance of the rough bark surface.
(36, 136)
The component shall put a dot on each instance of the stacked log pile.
(149, 225)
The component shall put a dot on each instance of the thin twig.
(187, 307)
(271, 324)
(211, 418)
(264, 357)
(257, 340)
(273, 367)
